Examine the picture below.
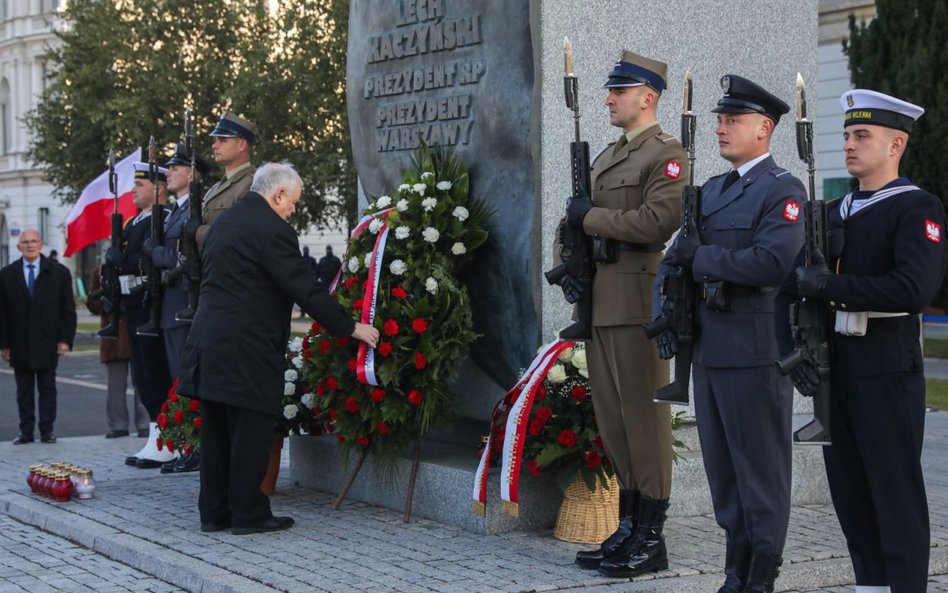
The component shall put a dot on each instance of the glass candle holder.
(85, 484)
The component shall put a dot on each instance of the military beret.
(631, 69)
(181, 157)
(142, 171)
(234, 126)
(870, 107)
(745, 96)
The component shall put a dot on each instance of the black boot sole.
(588, 564)
(625, 572)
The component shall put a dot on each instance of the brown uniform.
(636, 195)
(222, 196)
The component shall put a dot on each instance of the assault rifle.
(680, 291)
(576, 245)
(187, 245)
(153, 282)
(809, 318)
(110, 290)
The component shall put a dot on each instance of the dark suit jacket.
(165, 256)
(31, 327)
(253, 273)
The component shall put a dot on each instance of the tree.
(127, 69)
(901, 53)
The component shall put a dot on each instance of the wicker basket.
(588, 517)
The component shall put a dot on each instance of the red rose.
(178, 416)
(357, 304)
(351, 281)
(194, 405)
(307, 354)
(390, 327)
(598, 442)
(333, 414)
(341, 342)
(198, 422)
(579, 393)
(162, 421)
(420, 361)
(382, 428)
(173, 398)
(567, 438)
(536, 427)
(164, 406)
(352, 406)
(159, 443)
(593, 460)
(188, 450)
(385, 349)
(341, 439)
(305, 341)
(541, 393)
(324, 346)
(332, 383)
(419, 325)
(544, 414)
(313, 328)
(320, 389)
(170, 444)
(352, 364)
(378, 394)
(362, 441)
(174, 388)
(399, 293)
(365, 283)
(415, 397)
(534, 468)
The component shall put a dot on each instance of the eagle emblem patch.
(849, 100)
(933, 231)
(791, 211)
(672, 170)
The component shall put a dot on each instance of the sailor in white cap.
(886, 262)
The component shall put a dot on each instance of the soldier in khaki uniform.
(637, 184)
(233, 137)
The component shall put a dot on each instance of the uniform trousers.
(28, 382)
(174, 339)
(116, 408)
(875, 477)
(235, 451)
(149, 363)
(624, 372)
(744, 426)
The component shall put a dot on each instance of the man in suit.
(887, 249)
(636, 202)
(37, 326)
(235, 354)
(328, 266)
(749, 234)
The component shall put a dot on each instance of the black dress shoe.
(168, 468)
(48, 438)
(142, 463)
(131, 460)
(114, 434)
(211, 527)
(23, 439)
(188, 463)
(271, 524)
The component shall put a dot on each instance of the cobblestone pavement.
(142, 528)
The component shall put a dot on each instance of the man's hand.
(5, 354)
(805, 378)
(811, 280)
(366, 333)
(576, 209)
(573, 289)
(114, 256)
(683, 250)
(148, 246)
(667, 344)
(62, 348)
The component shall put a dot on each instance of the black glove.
(683, 250)
(148, 245)
(811, 280)
(667, 344)
(114, 256)
(576, 209)
(805, 378)
(191, 227)
(573, 289)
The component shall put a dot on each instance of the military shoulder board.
(778, 172)
(666, 138)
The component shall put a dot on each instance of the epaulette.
(666, 138)
(777, 171)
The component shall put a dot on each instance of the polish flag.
(90, 218)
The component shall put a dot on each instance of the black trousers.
(235, 450)
(149, 364)
(28, 381)
(875, 477)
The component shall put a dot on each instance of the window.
(5, 116)
(4, 235)
(44, 224)
(837, 187)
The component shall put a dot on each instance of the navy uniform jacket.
(165, 256)
(750, 235)
(133, 242)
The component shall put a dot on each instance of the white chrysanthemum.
(443, 185)
(290, 375)
(397, 267)
(429, 203)
(566, 355)
(461, 213)
(375, 226)
(404, 187)
(579, 359)
(458, 248)
(584, 373)
(431, 285)
(419, 188)
(353, 264)
(557, 374)
(308, 399)
(289, 388)
(290, 411)
(430, 234)
(427, 175)
(295, 345)
(402, 232)
(402, 205)
(368, 259)
(298, 361)
(383, 202)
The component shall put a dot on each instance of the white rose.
(404, 187)
(458, 248)
(584, 373)
(402, 205)
(368, 259)
(566, 355)
(429, 203)
(461, 213)
(427, 175)
(290, 375)
(397, 267)
(557, 374)
(308, 399)
(430, 234)
(402, 232)
(579, 359)
(353, 264)
(419, 188)
(431, 285)
(298, 361)
(290, 411)
(383, 202)
(289, 388)
(375, 226)
(444, 185)
(295, 345)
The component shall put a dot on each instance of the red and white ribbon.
(365, 359)
(360, 227)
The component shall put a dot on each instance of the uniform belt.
(741, 289)
(880, 314)
(641, 247)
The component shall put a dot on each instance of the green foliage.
(127, 69)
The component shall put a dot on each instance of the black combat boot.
(645, 550)
(736, 567)
(628, 519)
(763, 573)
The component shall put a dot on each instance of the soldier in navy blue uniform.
(749, 235)
(887, 255)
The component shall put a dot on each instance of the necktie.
(622, 141)
(730, 179)
(31, 278)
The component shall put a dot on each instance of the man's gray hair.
(271, 177)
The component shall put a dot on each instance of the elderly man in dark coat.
(234, 357)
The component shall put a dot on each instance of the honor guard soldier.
(149, 362)
(749, 234)
(233, 138)
(637, 183)
(886, 262)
